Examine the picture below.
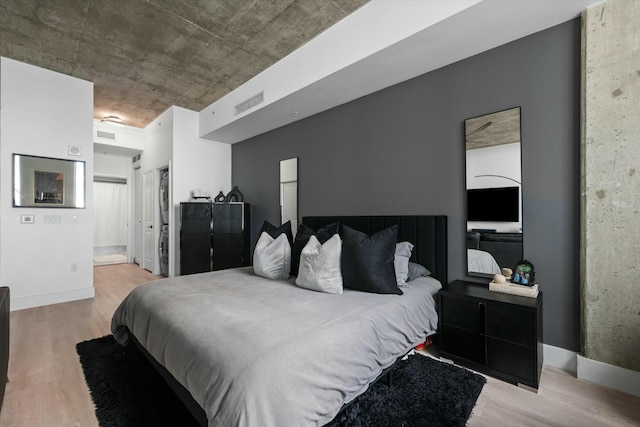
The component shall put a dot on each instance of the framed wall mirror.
(494, 192)
(289, 192)
(44, 182)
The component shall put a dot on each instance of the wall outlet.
(74, 267)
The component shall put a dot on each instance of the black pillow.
(302, 237)
(274, 231)
(367, 261)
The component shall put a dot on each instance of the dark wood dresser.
(491, 332)
(4, 340)
(214, 236)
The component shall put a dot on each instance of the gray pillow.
(272, 257)
(320, 266)
(401, 262)
(417, 270)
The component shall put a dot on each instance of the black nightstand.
(491, 332)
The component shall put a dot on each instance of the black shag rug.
(127, 391)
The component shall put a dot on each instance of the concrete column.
(610, 237)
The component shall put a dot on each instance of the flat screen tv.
(493, 204)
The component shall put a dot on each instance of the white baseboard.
(610, 376)
(20, 303)
(560, 358)
(603, 374)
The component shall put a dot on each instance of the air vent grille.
(249, 103)
(106, 135)
(136, 158)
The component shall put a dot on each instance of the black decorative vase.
(220, 197)
(234, 195)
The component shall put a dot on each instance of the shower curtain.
(110, 216)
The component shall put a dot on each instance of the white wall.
(42, 113)
(112, 165)
(128, 137)
(197, 164)
(36, 259)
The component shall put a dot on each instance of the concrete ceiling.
(146, 55)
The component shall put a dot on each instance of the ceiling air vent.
(250, 103)
(106, 135)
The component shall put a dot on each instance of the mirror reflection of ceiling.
(493, 129)
(144, 56)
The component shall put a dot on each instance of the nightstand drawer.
(510, 324)
(462, 313)
(512, 359)
(462, 343)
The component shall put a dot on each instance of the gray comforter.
(259, 352)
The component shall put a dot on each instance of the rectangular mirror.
(44, 182)
(289, 192)
(494, 192)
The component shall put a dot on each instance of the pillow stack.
(302, 238)
(327, 260)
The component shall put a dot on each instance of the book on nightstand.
(513, 289)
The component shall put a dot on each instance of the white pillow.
(320, 266)
(272, 257)
(401, 262)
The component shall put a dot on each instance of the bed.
(244, 350)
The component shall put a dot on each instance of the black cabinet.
(213, 236)
(495, 333)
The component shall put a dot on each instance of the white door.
(290, 204)
(137, 215)
(148, 211)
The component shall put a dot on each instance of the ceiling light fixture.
(111, 119)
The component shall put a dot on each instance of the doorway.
(110, 225)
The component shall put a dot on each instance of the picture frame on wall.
(45, 182)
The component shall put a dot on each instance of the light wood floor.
(47, 387)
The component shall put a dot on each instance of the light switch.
(27, 219)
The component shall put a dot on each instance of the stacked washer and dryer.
(163, 246)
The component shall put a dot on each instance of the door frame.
(156, 222)
(149, 188)
(127, 182)
(137, 253)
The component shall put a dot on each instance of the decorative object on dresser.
(525, 273)
(234, 195)
(213, 236)
(494, 333)
(522, 283)
(512, 288)
(220, 197)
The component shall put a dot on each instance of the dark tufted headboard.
(428, 233)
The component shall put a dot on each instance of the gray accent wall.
(400, 151)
